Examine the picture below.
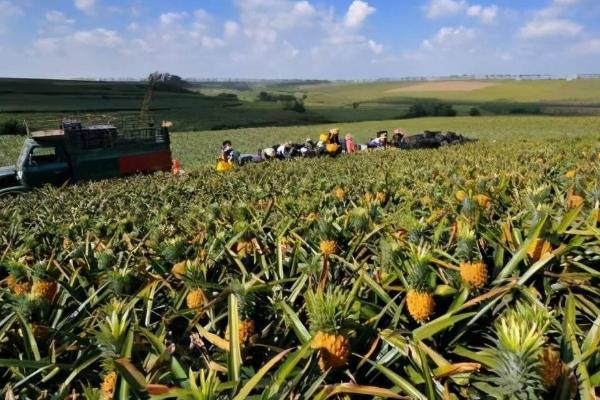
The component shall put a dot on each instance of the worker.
(380, 142)
(228, 153)
(398, 137)
(348, 144)
(333, 136)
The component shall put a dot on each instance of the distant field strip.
(445, 86)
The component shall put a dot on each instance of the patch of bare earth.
(444, 86)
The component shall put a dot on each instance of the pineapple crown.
(327, 310)
(16, 270)
(519, 340)
(419, 269)
(521, 329)
(357, 219)
(466, 244)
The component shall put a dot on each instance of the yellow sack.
(223, 165)
(332, 147)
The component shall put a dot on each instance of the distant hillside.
(224, 105)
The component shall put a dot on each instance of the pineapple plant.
(328, 315)
(518, 348)
(419, 298)
(473, 271)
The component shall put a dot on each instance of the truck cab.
(42, 162)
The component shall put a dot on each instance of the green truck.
(76, 152)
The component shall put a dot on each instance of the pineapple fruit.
(328, 247)
(419, 299)
(195, 298)
(108, 385)
(473, 271)
(327, 314)
(334, 350)
(44, 289)
(550, 367)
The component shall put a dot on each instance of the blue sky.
(333, 39)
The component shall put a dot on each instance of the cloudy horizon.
(306, 39)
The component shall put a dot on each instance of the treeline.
(289, 102)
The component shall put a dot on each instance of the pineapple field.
(466, 272)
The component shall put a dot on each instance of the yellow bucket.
(332, 147)
(223, 165)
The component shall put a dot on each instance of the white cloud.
(444, 8)
(98, 38)
(586, 47)
(437, 9)
(487, 15)
(449, 37)
(86, 6)
(375, 47)
(56, 17)
(358, 13)
(542, 28)
(231, 29)
(172, 17)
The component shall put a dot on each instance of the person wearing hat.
(333, 136)
(380, 142)
(398, 137)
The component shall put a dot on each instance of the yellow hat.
(324, 137)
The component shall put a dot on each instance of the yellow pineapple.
(334, 350)
(482, 200)
(460, 195)
(381, 197)
(419, 298)
(195, 298)
(109, 383)
(538, 249)
(246, 330)
(328, 247)
(339, 193)
(550, 367)
(244, 248)
(42, 289)
(574, 201)
(474, 275)
(179, 269)
(312, 217)
(420, 305)
(18, 288)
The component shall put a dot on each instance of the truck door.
(45, 165)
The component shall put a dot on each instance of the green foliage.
(12, 127)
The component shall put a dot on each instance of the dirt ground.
(444, 86)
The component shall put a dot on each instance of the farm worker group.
(328, 144)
